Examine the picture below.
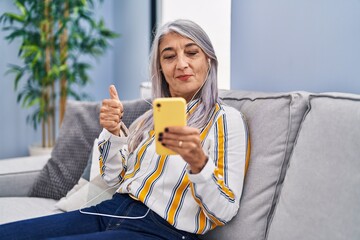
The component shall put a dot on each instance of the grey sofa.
(303, 180)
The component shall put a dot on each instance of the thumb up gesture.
(111, 112)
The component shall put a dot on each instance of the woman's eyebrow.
(167, 49)
(191, 44)
(172, 49)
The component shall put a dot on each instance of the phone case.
(167, 112)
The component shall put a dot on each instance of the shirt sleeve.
(113, 157)
(218, 187)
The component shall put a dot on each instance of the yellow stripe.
(193, 108)
(248, 150)
(101, 165)
(202, 223)
(176, 201)
(139, 155)
(221, 146)
(101, 160)
(145, 190)
(220, 170)
(207, 127)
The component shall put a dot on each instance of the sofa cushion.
(69, 156)
(19, 208)
(273, 121)
(90, 189)
(321, 190)
(73, 146)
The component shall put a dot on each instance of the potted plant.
(55, 35)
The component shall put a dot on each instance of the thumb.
(113, 92)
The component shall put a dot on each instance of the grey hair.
(208, 94)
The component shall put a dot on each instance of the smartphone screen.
(167, 112)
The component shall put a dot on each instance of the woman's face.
(184, 65)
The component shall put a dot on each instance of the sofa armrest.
(17, 175)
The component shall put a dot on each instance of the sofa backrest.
(320, 198)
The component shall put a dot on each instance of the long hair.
(208, 94)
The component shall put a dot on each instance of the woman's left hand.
(186, 142)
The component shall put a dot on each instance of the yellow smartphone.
(167, 112)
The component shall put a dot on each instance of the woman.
(164, 197)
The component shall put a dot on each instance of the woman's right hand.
(111, 112)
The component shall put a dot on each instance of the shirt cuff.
(204, 175)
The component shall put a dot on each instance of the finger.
(109, 125)
(181, 147)
(185, 138)
(111, 110)
(107, 117)
(182, 130)
(113, 92)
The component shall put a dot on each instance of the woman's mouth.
(183, 77)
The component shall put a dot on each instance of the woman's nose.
(181, 63)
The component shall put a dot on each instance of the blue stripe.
(180, 205)
(105, 154)
(192, 104)
(173, 193)
(197, 216)
(225, 150)
(216, 145)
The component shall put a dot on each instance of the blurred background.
(262, 45)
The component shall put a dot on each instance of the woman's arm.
(113, 157)
(218, 187)
(113, 139)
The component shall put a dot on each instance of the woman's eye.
(169, 56)
(192, 53)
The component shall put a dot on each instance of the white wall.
(281, 45)
(214, 17)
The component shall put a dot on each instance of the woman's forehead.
(172, 38)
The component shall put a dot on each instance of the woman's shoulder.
(229, 110)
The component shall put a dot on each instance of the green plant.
(54, 35)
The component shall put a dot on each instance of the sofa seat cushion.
(19, 208)
(320, 198)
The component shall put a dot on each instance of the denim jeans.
(76, 225)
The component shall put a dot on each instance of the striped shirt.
(194, 203)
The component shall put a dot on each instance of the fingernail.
(164, 144)
(160, 134)
(166, 129)
(160, 139)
